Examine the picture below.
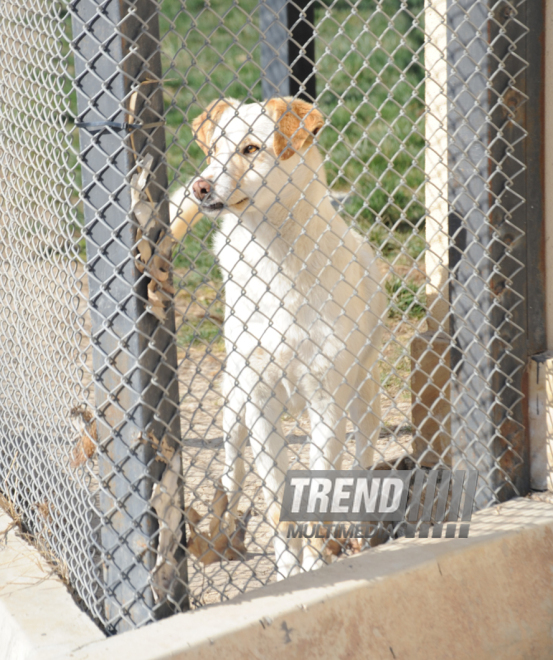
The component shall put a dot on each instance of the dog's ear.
(204, 125)
(297, 122)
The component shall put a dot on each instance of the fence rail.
(154, 388)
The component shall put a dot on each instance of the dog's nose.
(201, 188)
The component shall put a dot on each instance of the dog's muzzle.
(208, 206)
(203, 192)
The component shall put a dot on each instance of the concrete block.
(430, 396)
(39, 620)
(485, 597)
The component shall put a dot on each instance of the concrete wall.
(489, 596)
(38, 618)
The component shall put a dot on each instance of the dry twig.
(84, 423)
(227, 534)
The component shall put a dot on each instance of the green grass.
(200, 331)
(406, 297)
(194, 256)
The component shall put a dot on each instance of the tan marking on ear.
(297, 122)
(204, 125)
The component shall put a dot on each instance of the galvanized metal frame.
(533, 153)
(136, 390)
(488, 225)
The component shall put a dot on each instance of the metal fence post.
(288, 48)
(487, 122)
(116, 46)
(535, 195)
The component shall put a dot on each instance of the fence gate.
(118, 393)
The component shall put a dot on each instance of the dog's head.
(253, 150)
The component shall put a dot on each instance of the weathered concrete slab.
(488, 596)
(38, 618)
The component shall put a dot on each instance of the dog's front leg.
(263, 413)
(235, 435)
(328, 441)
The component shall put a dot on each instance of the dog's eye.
(250, 149)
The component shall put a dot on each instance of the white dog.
(303, 301)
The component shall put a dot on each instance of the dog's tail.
(183, 212)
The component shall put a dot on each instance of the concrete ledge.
(38, 618)
(488, 596)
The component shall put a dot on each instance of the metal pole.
(116, 46)
(487, 225)
(288, 48)
(534, 159)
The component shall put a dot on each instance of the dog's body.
(303, 301)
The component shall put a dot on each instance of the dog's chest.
(289, 302)
(256, 272)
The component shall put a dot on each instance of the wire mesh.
(202, 294)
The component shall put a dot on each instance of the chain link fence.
(199, 294)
